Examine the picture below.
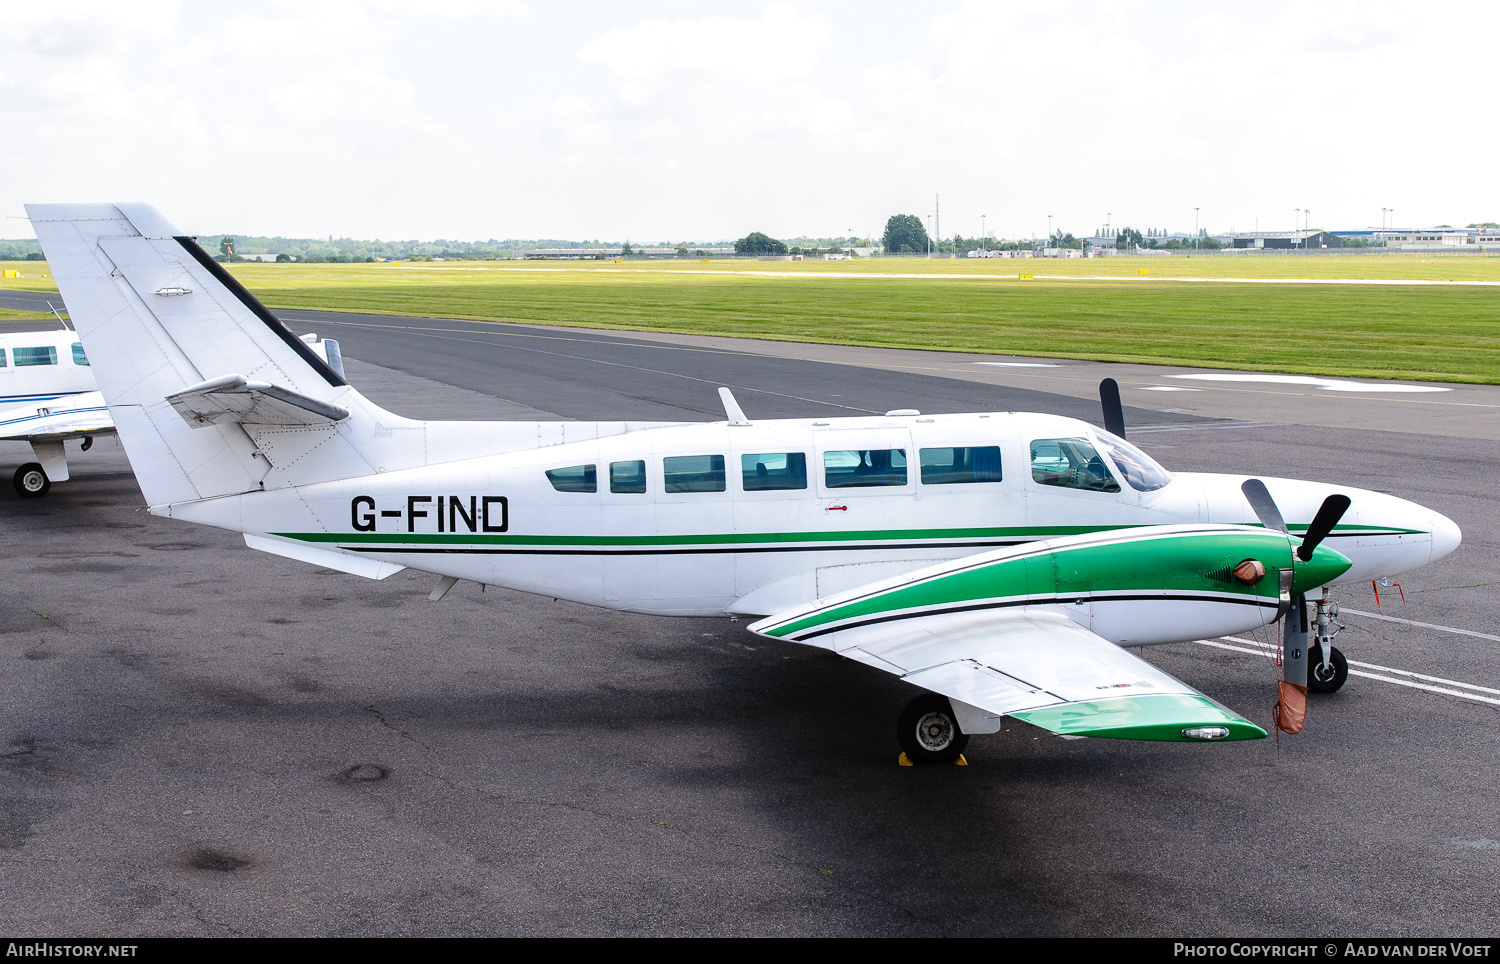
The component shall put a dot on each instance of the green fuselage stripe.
(731, 538)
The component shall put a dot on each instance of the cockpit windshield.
(1138, 468)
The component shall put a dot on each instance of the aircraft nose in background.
(1445, 536)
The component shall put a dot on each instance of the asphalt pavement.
(200, 739)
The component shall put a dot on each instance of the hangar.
(1286, 239)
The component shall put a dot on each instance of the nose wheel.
(31, 481)
(1326, 679)
(929, 732)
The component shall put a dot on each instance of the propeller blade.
(1329, 514)
(1114, 414)
(1264, 506)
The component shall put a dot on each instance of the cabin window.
(961, 466)
(774, 470)
(627, 477)
(693, 473)
(79, 358)
(574, 478)
(1140, 470)
(46, 355)
(1071, 463)
(2, 357)
(864, 467)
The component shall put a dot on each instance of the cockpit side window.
(1071, 463)
(1139, 469)
(79, 358)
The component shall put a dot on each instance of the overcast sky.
(668, 121)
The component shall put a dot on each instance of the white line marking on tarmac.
(1261, 649)
(1327, 384)
(1413, 622)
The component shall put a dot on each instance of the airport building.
(1299, 240)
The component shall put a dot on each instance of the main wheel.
(928, 731)
(1328, 679)
(31, 481)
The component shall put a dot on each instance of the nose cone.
(1324, 567)
(1445, 536)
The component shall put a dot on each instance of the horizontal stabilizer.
(327, 558)
(234, 398)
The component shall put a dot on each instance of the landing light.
(1206, 732)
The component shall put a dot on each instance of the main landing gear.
(928, 730)
(31, 481)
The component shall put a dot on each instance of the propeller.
(1328, 516)
(1114, 414)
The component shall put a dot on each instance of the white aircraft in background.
(999, 561)
(48, 398)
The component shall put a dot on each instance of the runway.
(204, 740)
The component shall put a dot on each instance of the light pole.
(983, 236)
(929, 235)
(1306, 220)
(1195, 229)
(1049, 230)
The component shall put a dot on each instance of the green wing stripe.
(1158, 717)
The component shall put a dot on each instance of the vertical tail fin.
(210, 394)
(156, 316)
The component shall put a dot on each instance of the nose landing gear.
(1326, 675)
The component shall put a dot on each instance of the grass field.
(1439, 332)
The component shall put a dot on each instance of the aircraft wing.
(72, 416)
(1034, 665)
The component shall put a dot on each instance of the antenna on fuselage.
(59, 317)
(732, 408)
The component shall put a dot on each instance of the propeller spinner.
(1329, 514)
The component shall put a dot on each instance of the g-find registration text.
(476, 513)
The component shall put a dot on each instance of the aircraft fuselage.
(708, 519)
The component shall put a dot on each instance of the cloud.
(780, 44)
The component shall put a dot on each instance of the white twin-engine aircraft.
(998, 561)
(48, 398)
